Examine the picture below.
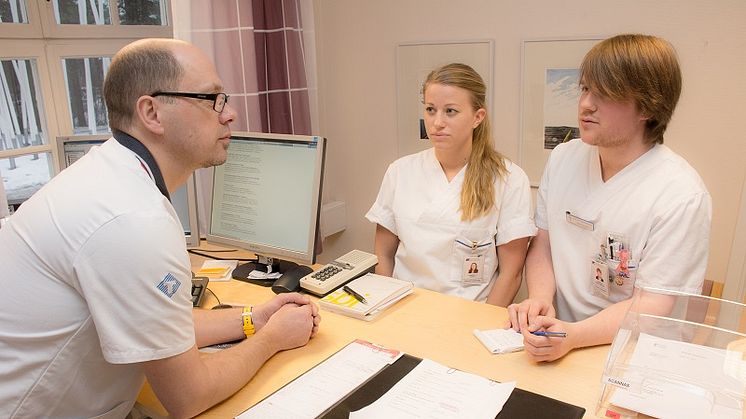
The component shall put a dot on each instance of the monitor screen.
(266, 197)
(184, 199)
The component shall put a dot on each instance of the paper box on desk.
(677, 355)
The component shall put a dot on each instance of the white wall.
(356, 43)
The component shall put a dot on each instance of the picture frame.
(548, 108)
(414, 61)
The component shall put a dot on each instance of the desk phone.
(339, 272)
(199, 286)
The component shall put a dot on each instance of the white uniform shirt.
(418, 204)
(95, 276)
(658, 202)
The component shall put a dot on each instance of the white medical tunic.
(95, 277)
(418, 204)
(658, 203)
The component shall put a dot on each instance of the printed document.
(434, 391)
(325, 384)
(673, 379)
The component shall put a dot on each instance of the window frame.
(47, 42)
(32, 29)
(34, 49)
(57, 50)
(51, 29)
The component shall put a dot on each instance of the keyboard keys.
(326, 273)
(199, 285)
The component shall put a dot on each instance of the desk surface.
(425, 324)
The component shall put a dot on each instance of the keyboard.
(199, 286)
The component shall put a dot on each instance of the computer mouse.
(220, 306)
(290, 280)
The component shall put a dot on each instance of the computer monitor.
(71, 148)
(266, 198)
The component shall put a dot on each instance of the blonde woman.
(457, 204)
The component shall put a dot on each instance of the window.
(13, 11)
(84, 78)
(24, 175)
(78, 12)
(59, 49)
(97, 12)
(20, 107)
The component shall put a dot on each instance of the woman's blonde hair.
(485, 163)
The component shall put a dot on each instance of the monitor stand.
(263, 264)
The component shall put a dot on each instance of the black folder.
(520, 404)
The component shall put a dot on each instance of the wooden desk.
(425, 324)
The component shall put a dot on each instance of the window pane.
(85, 81)
(82, 12)
(141, 12)
(21, 109)
(24, 175)
(13, 11)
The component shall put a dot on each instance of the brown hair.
(485, 163)
(641, 68)
(140, 68)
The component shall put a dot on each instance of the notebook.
(379, 291)
(217, 270)
(500, 341)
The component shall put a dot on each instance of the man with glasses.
(96, 278)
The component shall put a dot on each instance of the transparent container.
(676, 355)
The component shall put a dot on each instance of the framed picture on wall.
(414, 61)
(549, 98)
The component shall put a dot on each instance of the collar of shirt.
(146, 159)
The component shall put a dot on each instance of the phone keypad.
(326, 273)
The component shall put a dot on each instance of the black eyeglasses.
(218, 99)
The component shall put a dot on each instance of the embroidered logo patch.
(169, 285)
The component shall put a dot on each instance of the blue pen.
(549, 334)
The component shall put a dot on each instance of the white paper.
(434, 391)
(264, 275)
(500, 341)
(317, 390)
(669, 378)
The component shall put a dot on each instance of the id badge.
(599, 278)
(472, 271)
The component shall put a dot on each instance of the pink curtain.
(257, 46)
(283, 100)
